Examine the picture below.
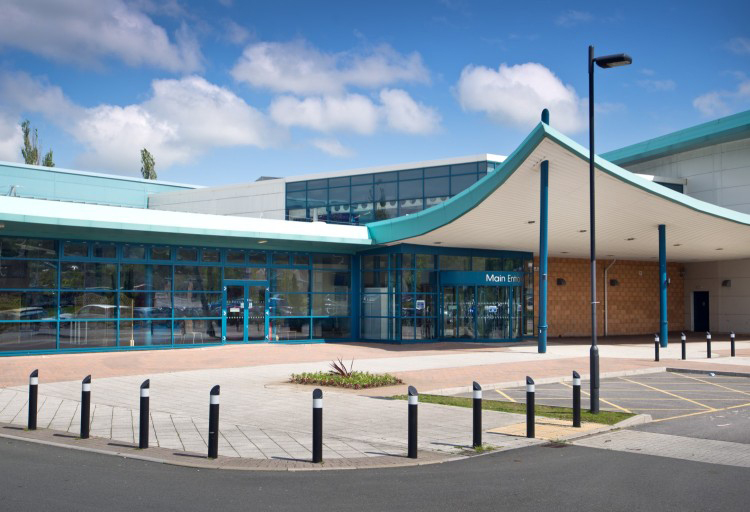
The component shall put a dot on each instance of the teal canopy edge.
(401, 228)
(726, 129)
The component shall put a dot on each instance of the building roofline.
(725, 129)
(397, 167)
(62, 170)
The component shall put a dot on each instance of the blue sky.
(224, 91)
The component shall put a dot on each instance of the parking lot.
(687, 404)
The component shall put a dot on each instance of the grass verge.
(548, 411)
(357, 380)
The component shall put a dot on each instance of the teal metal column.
(543, 253)
(663, 325)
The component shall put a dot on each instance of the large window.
(372, 197)
(78, 295)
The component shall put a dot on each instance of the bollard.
(144, 423)
(529, 407)
(731, 343)
(213, 424)
(85, 406)
(34, 398)
(708, 345)
(477, 441)
(413, 404)
(656, 347)
(576, 399)
(317, 451)
(683, 339)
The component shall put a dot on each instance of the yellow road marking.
(600, 399)
(701, 412)
(713, 384)
(505, 395)
(667, 393)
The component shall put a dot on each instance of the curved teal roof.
(726, 129)
(401, 228)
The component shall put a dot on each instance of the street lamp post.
(607, 61)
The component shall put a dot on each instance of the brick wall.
(633, 304)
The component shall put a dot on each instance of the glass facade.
(63, 295)
(372, 197)
(403, 298)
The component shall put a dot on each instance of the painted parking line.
(623, 409)
(505, 395)
(701, 412)
(712, 383)
(668, 393)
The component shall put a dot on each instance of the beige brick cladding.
(633, 303)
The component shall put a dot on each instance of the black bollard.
(656, 347)
(683, 339)
(477, 441)
(213, 424)
(576, 399)
(144, 423)
(529, 407)
(731, 343)
(85, 406)
(317, 450)
(33, 398)
(708, 345)
(413, 404)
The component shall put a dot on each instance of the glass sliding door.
(245, 312)
(482, 312)
(236, 324)
(450, 310)
(465, 321)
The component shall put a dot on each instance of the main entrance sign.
(496, 278)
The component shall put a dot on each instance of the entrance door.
(700, 312)
(245, 312)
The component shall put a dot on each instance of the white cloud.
(517, 94)
(181, 120)
(571, 18)
(11, 138)
(739, 45)
(236, 33)
(403, 114)
(657, 85)
(332, 147)
(87, 32)
(297, 67)
(723, 102)
(350, 112)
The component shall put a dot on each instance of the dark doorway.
(700, 312)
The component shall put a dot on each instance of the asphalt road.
(36, 477)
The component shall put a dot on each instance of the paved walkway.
(677, 447)
(263, 417)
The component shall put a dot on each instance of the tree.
(148, 165)
(31, 150)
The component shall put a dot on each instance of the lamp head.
(613, 61)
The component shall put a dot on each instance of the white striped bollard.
(708, 345)
(33, 398)
(530, 391)
(576, 399)
(413, 404)
(213, 424)
(683, 340)
(477, 404)
(317, 451)
(731, 343)
(144, 419)
(656, 347)
(85, 406)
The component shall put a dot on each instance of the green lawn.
(561, 413)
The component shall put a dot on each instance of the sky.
(225, 91)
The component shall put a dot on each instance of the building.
(439, 250)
